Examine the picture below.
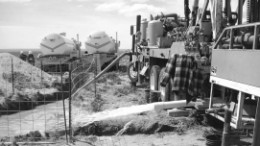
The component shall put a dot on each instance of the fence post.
(70, 129)
(63, 103)
(12, 72)
(41, 74)
(95, 82)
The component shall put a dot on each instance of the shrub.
(31, 136)
(1, 93)
(97, 103)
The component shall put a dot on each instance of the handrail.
(242, 25)
(255, 25)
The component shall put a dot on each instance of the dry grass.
(113, 86)
(145, 123)
(124, 90)
(111, 77)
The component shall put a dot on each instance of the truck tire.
(132, 72)
(154, 77)
(165, 91)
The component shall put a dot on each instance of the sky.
(24, 23)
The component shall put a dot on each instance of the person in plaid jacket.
(185, 77)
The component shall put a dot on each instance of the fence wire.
(31, 101)
(35, 105)
(90, 100)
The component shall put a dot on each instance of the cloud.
(143, 9)
(81, 0)
(108, 7)
(84, 0)
(19, 1)
(129, 10)
(139, 1)
(79, 6)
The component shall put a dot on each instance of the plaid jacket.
(185, 76)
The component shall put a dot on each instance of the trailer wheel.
(154, 76)
(132, 72)
(165, 91)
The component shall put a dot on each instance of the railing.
(249, 38)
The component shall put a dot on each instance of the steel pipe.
(256, 139)
(226, 130)
(138, 23)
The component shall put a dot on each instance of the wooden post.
(78, 47)
(41, 74)
(63, 104)
(96, 70)
(117, 46)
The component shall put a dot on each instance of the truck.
(104, 47)
(57, 51)
(226, 48)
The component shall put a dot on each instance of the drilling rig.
(226, 45)
(156, 40)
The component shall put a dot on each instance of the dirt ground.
(116, 92)
(192, 137)
(114, 95)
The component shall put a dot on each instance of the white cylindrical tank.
(154, 30)
(57, 44)
(100, 42)
(144, 25)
